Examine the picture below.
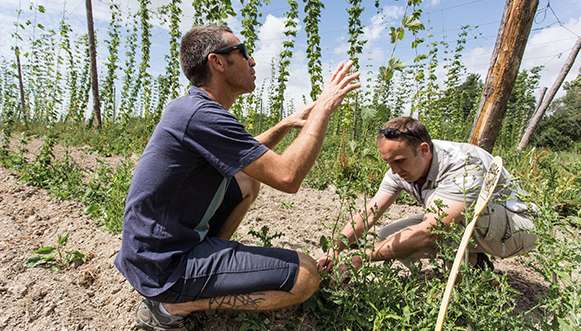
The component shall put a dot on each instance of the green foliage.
(250, 15)
(312, 17)
(127, 105)
(561, 130)
(212, 11)
(143, 83)
(169, 82)
(520, 107)
(78, 112)
(62, 177)
(107, 95)
(55, 257)
(384, 296)
(290, 32)
(105, 194)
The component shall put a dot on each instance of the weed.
(264, 236)
(55, 257)
(287, 205)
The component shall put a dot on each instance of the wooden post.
(510, 45)
(547, 101)
(93, 55)
(21, 86)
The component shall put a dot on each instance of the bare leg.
(306, 284)
(249, 188)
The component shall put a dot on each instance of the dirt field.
(94, 296)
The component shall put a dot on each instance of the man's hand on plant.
(326, 262)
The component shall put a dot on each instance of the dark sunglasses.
(392, 133)
(230, 49)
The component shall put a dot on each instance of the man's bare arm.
(287, 171)
(416, 237)
(363, 220)
(367, 216)
(274, 135)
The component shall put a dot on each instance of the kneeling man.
(197, 178)
(433, 171)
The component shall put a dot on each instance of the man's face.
(239, 72)
(408, 162)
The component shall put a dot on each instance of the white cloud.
(379, 22)
(434, 3)
(477, 60)
(342, 48)
(270, 37)
(6, 41)
(549, 47)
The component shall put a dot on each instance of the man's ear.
(216, 62)
(424, 148)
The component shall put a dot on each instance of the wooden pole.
(534, 122)
(21, 86)
(93, 55)
(510, 45)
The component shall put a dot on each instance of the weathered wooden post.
(93, 55)
(510, 45)
(526, 137)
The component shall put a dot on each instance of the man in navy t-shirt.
(197, 178)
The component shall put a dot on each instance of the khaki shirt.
(456, 173)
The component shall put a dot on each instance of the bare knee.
(307, 280)
(249, 187)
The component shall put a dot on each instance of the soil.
(94, 296)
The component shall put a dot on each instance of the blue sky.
(549, 42)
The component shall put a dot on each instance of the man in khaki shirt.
(434, 171)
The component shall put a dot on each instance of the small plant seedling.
(55, 257)
(287, 205)
(264, 237)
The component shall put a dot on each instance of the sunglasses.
(230, 49)
(392, 133)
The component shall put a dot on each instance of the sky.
(555, 29)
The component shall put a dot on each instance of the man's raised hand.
(341, 83)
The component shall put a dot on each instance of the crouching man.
(429, 171)
(197, 178)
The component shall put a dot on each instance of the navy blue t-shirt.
(196, 144)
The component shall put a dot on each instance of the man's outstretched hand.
(341, 83)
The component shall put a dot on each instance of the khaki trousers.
(498, 232)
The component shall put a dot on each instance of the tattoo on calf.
(248, 301)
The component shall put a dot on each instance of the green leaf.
(75, 257)
(41, 8)
(325, 243)
(44, 250)
(396, 64)
(62, 239)
(34, 261)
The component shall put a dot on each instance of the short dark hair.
(416, 132)
(194, 49)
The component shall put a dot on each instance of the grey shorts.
(217, 267)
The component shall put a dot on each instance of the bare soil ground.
(94, 296)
